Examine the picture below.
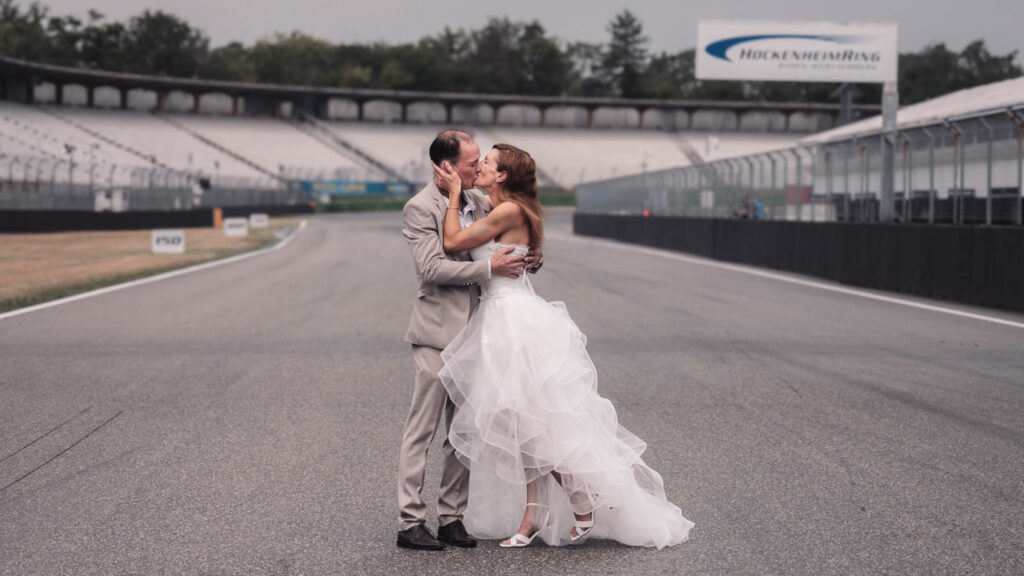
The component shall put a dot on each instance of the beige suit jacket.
(448, 283)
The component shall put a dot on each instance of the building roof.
(995, 96)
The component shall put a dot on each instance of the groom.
(447, 295)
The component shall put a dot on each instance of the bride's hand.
(446, 178)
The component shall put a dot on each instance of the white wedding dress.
(527, 404)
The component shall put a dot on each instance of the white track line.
(783, 278)
(156, 278)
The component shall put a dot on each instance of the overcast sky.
(670, 25)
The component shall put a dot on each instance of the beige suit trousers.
(429, 403)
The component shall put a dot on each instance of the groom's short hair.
(447, 145)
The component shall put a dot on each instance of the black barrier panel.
(69, 220)
(973, 265)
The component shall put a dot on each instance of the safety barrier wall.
(967, 264)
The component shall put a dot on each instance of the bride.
(543, 448)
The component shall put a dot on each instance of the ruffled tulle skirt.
(527, 405)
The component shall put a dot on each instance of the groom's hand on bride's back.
(505, 264)
(534, 260)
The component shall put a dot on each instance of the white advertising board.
(258, 221)
(797, 51)
(236, 227)
(168, 241)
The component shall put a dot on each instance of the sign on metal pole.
(168, 241)
(797, 51)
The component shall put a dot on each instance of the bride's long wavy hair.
(521, 187)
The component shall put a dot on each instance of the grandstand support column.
(58, 93)
(196, 98)
(494, 114)
(359, 110)
(123, 94)
(590, 116)
(322, 108)
(448, 109)
(543, 115)
(90, 96)
(786, 116)
(160, 97)
(404, 106)
(640, 112)
(234, 104)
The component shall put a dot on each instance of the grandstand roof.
(65, 74)
(995, 96)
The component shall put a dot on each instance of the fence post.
(931, 174)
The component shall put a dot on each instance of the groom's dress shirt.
(466, 220)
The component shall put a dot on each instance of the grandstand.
(102, 133)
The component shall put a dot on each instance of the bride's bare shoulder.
(508, 209)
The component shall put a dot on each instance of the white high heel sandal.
(521, 540)
(583, 527)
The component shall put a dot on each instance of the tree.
(164, 44)
(584, 60)
(230, 62)
(626, 57)
(669, 76)
(937, 70)
(545, 65)
(298, 59)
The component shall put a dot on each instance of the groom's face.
(466, 165)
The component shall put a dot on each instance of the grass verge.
(44, 267)
(56, 293)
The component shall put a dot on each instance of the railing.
(28, 183)
(963, 170)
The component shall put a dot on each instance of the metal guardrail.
(41, 183)
(964, 170)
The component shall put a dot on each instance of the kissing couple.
(531, 450)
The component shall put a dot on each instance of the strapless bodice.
(500, 285)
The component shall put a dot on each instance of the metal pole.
(988, 174)
(53, 177)
(931, 174)
(906, 174)
(890, 106)
(25, 171)
(1019, 121)
(760, 171)
(828, 179)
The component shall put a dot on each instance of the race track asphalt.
(245, 419)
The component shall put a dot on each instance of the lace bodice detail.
(500, 285)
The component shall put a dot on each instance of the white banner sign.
(797, 51)
(168, 241)
(236, 227)
(258, 221)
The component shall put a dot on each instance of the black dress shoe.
(418, 538)
(456, 535)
